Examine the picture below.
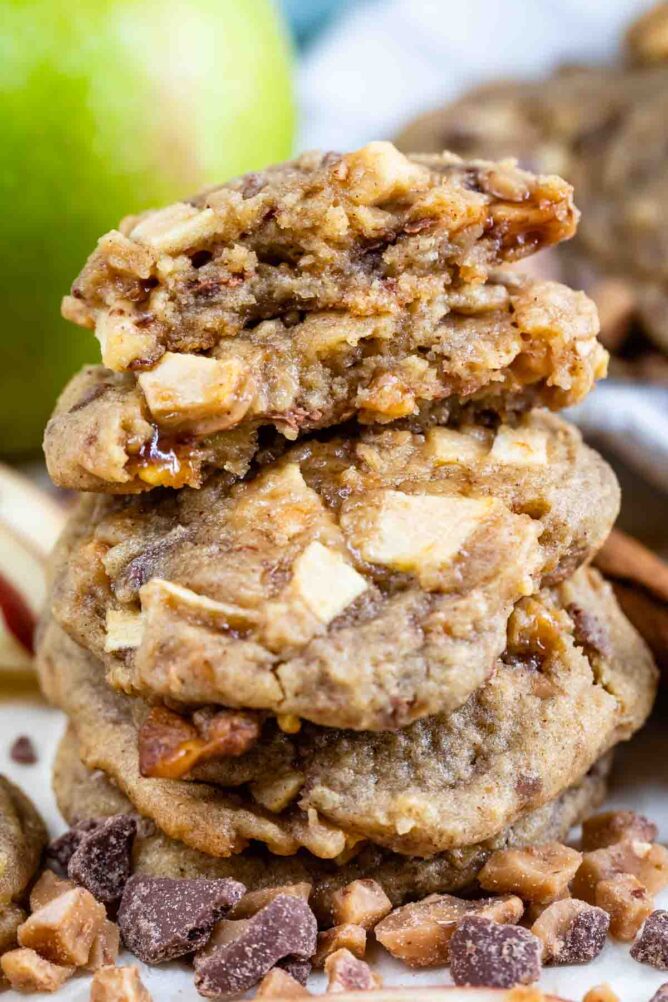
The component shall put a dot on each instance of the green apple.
(108, 107)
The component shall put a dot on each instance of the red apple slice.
(22, 594)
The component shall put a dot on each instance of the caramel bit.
(118, 984)
(48, 887)
(26, 971)
(601, 993)
(253, 901)
(644, 860)
(346, 973)
(104, 951)
(63, 930)
(571, 931)
(627, 903)
(279, 984)
(348, 937)
(610, 827)
(419, 934)
(362, 902)
(171, 746)
(539, 873)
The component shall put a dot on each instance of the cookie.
(359, 582)
(330, 288)
(23, 837)
(603, 128)
(82, 793)
(574, 680)
(502, 346)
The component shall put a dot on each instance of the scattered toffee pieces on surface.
(23, 751)
(101, 860)
(286, 927)
(651, 946)
(161, 918)
(61, 849)
(488, 955)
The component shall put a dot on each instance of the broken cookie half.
(357, 286)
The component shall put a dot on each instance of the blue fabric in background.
(308, 17)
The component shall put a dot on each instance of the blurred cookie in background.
(605, 128)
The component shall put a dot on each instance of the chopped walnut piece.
(26, 971)
(571, 931)
(419, 934)
(610, 827)
(253, 901)
(118, 984)
(347, 973)
(601, 993)
(362, 902)
(63, 930)
(537, 873)
(349, 937)
(48, 887)
(104, 951)
(626, 901)
(171, 746)
(280, 984)
(644, 860)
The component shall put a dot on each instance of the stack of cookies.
(324, 610)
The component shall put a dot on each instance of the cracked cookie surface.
(356, 582)
(574, 680)
(84, 793)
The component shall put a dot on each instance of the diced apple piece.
(412, 533)
(182, 391)
(520, 447)
(325, 582)
(448, 446)
(124, 630)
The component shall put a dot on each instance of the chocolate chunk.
(23, 751)
(101, 860)
(286, 927)
(485, 954)
(161, 918)
(589, 631)
(572, 932)
(651, 946)
(61, 849)
(296, 968)
(661, 994)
